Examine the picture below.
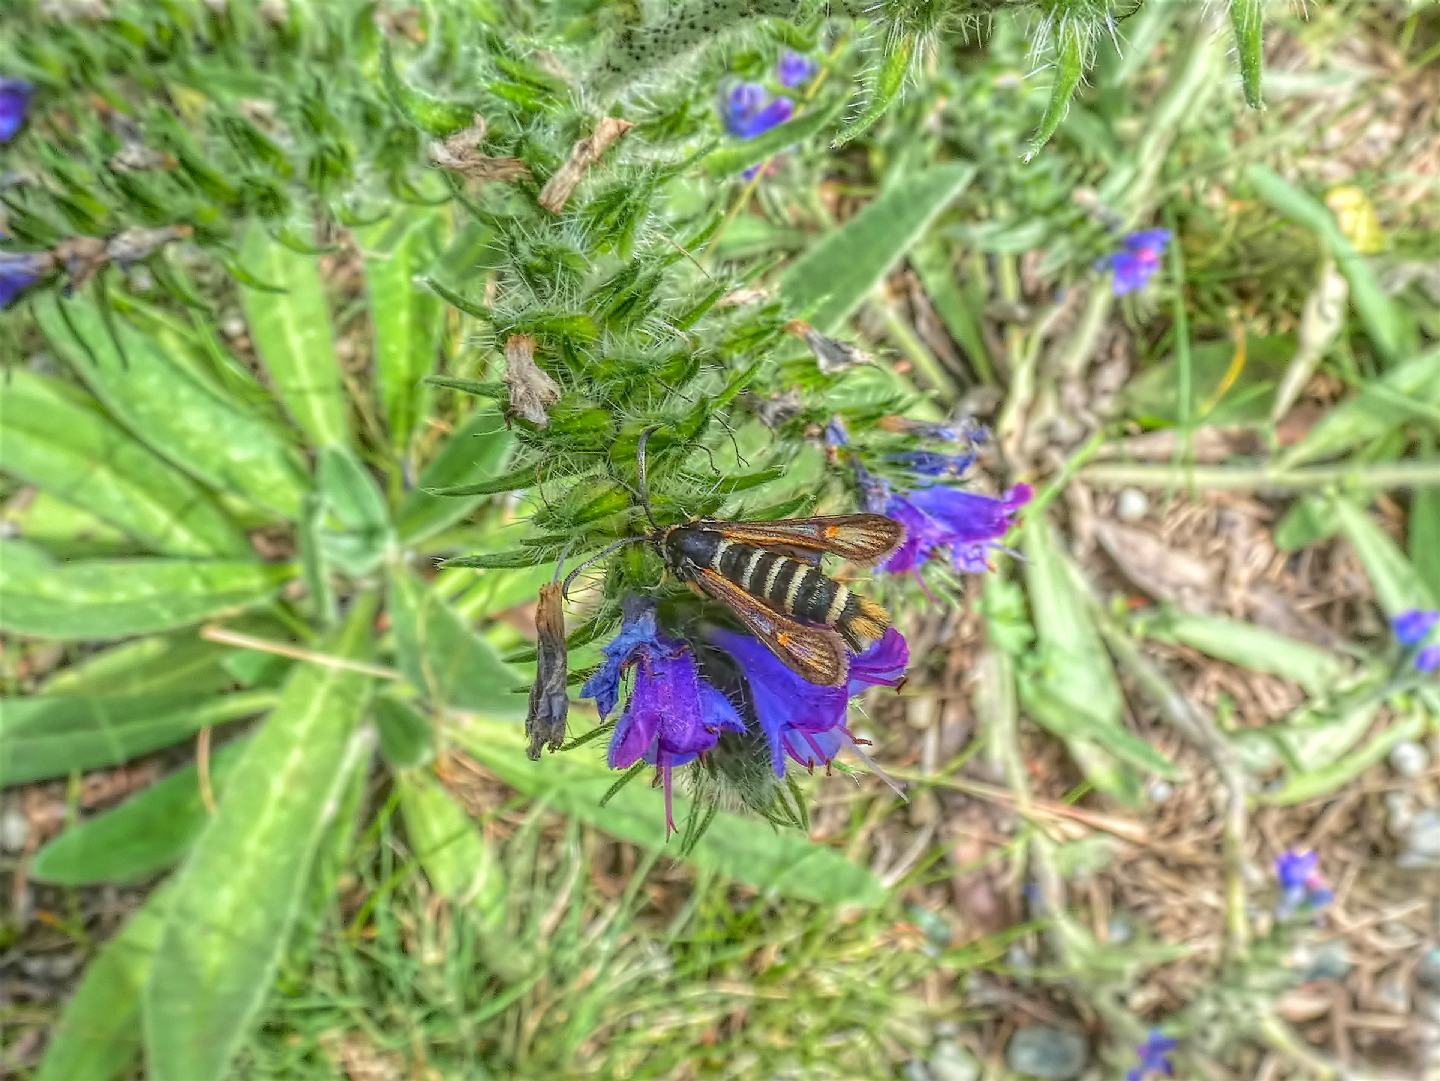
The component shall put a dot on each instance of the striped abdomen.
(789, 586)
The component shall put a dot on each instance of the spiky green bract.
(1247, 20)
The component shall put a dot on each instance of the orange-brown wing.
(858, 537)
(816, 654)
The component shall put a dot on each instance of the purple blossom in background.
(1413, 627)
(14, 102)
(1301, 883)
(930, 463)
(673, 715)
(1154, 1055)
(1428, 659)
(939, 519)
(19, 271)
(749, 110)
(794, 69)
(805, 721)
(1135, 263)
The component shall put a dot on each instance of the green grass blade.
(237, 896)
(52, 735)
(1248, 22)
(830, 280)
(113, 598)
(149, 832)
(783, 862)
(443, 658)
(1398, 585)
(97, 1037)
(292, 334)
(1382, 406)
(56, 439)
(1383, 320)
(165, 407)
(475, 451)
(1255, 648)
(409, 321)
(1425, 537)
(170, 662)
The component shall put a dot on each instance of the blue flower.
(805, 721)
(749, 110)
(930, 463)
(14, 102)
(19, 271)
(1413, 627)
(673, 715)
(1428, 659)
(1301, 883)
(967, 431)
(1154, 1055)
(1137, 261)
(940, 519)
(794, 68)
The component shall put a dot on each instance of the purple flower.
(794, 68)
(673, 715)
(1301, 883)
(1413, 627)
(14, 102)
(19, 271)
(1428, 659)
(939, 518)
(968, 430)
(749, 110)
(1154, 1055)
(1137, 261)
(805, 721)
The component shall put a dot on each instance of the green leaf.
(56, 439)
(353, 497)
(154, 665)
(406, 735)
(734, 159)
(1069, 67)
(111, 598)
(1307, 522)
(1383, 320)
(236, 897)
(408, 320)
(783, 862)
(291, 331)
(1248, 646)
(1247, 21)
(147, 833)
(1384, 405)
(98, 1036)
(831, 279)
(1398, 585)
(52, 735)
(473, 452)
(167, 408)
(63, 529)
(1425, 536)
(443, 658)
(889, 80)
(1317, 783)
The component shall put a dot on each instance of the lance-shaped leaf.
(889, 80)
(56, 438)
(733, 159)
(1069, 67)
(51, 735)
(237, 895)
(830, 280)
(1248, 23)
(98, 1035)
(443, 658)
(166, 407)
(291, 331)
(1398, 585)
(147, 833)
(111, 598)
(474, 451)
(409, 321)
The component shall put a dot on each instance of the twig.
(202, 769)
(226, 637)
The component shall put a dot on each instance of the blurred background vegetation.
(267, 808)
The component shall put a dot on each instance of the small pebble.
(233, 327)
(1409, 759)
(14, 830)
(1018, 958)
(1399, 813)
(915, 1071)
(1428, 969)
(1422, 841)
(1119, 931)
(1052, 1054)
(951, 1062)
(1131, 505)
(1159, 791)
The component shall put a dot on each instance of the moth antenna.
(560, 565)
(611, 547)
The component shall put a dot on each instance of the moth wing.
(816, 654)
(858, 537)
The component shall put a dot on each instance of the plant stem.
(1383, 476)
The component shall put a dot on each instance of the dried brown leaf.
(583, 154)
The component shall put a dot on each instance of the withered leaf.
(531, 388)
(831, 354)
(549, 700)
(585, 153)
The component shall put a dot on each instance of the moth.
(768, 575)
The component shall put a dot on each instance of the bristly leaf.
(1247, 20)
(889, 81)
(1070, 48)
